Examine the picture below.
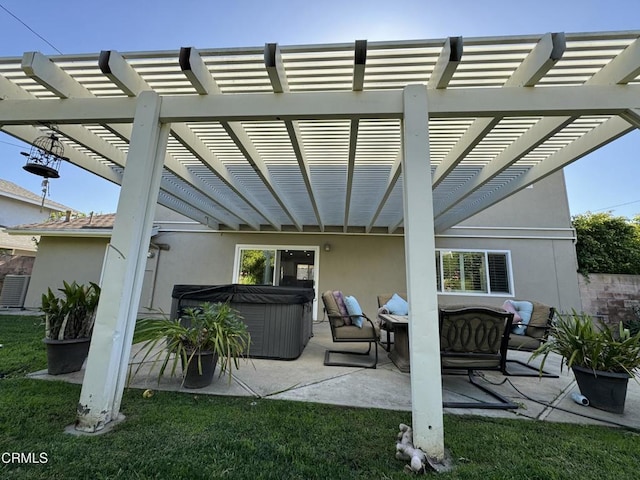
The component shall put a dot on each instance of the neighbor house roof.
(77, 226)
(309, 137)
(11, 190)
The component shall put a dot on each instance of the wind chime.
(44, 159)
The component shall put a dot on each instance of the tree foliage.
(253, 266)
(607, 244)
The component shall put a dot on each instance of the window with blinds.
(473, 272)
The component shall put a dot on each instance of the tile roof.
(8, 188)
(74, 224)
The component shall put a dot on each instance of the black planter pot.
(66, 356)
(196, 378)
(605, 390)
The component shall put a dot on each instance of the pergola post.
(424, 338)
(123, 269)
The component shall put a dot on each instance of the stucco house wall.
(20, 206)
(64, 258)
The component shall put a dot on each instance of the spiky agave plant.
(210, 327)
(580, 342)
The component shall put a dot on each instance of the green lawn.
(189, 436)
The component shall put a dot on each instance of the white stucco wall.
(15, 212)
(64, 258)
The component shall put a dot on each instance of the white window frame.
(261, 246)
(489, 293)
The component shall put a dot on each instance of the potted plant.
(602, 359)
(69, 322)
(207, 335)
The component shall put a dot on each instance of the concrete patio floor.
(307, 379)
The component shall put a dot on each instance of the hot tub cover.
(236, 293)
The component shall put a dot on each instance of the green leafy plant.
(210, 327)
(580, 342)
(71, 315)
(633, 324)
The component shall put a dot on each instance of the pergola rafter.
(39, 68)
(120, 72)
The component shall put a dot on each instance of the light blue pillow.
(397, 305)
(353, 307)
(524, 309)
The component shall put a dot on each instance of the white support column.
(419, 240)
(123, 269)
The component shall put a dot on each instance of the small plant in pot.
(602, 359)
(205, 336)
(69, 320)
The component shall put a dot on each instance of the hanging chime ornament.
(45, 156)
(44, 159)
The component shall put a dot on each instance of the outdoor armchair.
(527, 336)
(345, 329)
(475, 338)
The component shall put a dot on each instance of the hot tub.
(279, 319)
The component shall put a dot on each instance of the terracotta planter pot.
(66, 356)
(605, 390)
(193, 377)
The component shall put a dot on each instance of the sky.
(606, 180)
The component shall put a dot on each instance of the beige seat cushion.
(348, 332)
(523, 342)
(331, 306)
(478, 361)
(539, 319)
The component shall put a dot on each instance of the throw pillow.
(508, 306)
(353, 307)
(524, 309)
(341, 306)
(397, 305)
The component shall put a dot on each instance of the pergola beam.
(83, 137)
(447, 63)
(529, 140)
(276, 71)
(539, 61)
(394, 174)
(38, 67)
(120, 72)
(450, 103)
(632, 116)
(359, 64)
(620, 70)
(27, 134)
(351, 166)
(605, 133)
(543, 56)
(295, 136)
(194, 68)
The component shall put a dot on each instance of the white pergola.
(337, 138)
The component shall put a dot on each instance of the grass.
(190, 436)
(23, 350)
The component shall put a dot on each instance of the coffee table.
(399, 354)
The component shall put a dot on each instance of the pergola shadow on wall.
(319, 138)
